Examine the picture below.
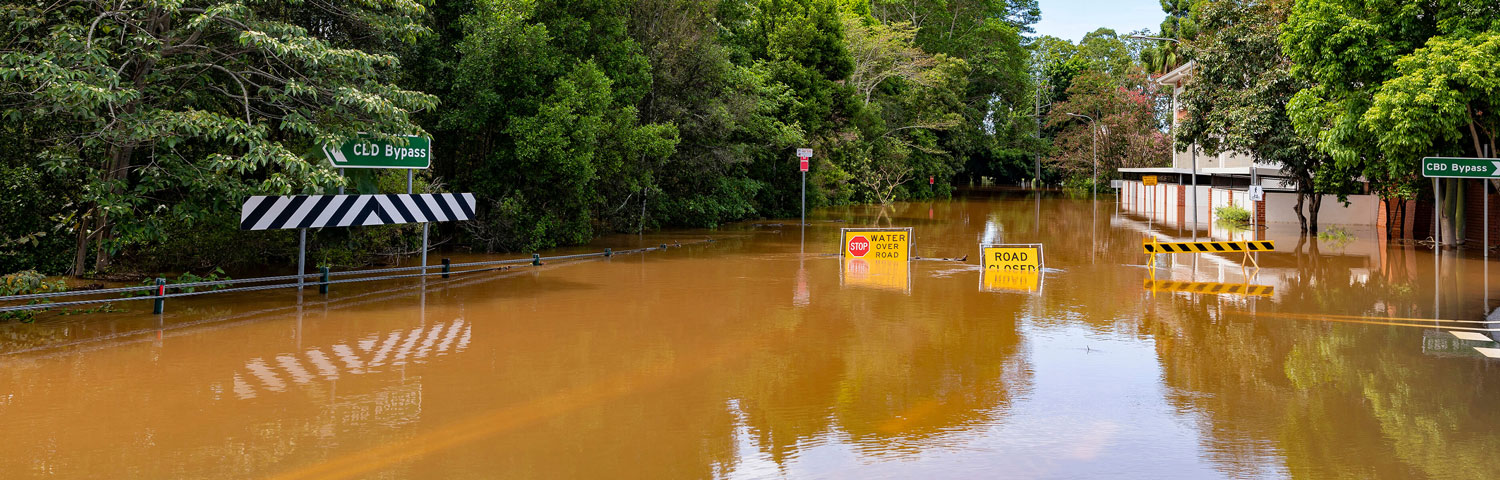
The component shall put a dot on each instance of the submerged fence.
(158, 293)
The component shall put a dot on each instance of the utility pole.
(1094, 130)
(1036, 177)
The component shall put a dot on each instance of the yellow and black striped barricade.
(1153, 247)
(1211, 288)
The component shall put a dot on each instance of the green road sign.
(1443, 167)
(367, 152)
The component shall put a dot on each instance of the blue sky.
(1071, 19)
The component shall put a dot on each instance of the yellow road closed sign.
(1025, 257)
(883, 244)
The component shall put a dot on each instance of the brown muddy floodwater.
(743, 358)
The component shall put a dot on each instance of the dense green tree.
(1347, 50)
(997, 132)
(173, 111)
(1236, 99)
(724, 113)
(543, 124)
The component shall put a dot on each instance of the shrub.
(1232, 215)
(26, 283)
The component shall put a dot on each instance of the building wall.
(1172, 203)
(1474, 199)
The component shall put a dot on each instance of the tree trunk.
(1312, 213)
(1401, 216)
(80, 255)
(1445, 216)
(115, 176)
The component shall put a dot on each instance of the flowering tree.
(1129, 133)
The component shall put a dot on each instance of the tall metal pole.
(1036, 176)
(1194, 148)
(803, 240)
(1437, 200)
(1095, 186)
(301, 257)
(1254, 204)
(341, 187)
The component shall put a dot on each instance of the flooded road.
(746, 358)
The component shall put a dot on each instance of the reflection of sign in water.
(1211, 288)
(998, 280)
(876, 243)
(369, 354)
(1012, 257)
(891, 274)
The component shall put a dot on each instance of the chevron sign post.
(314, 211)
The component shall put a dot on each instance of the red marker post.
(803, 155)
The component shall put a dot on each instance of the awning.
(1260, 170)
(1159, 170)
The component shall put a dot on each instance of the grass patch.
(1336, 235)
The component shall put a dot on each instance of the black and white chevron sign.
(312, 211)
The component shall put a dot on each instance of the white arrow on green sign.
(365, 151)
(1445, 167)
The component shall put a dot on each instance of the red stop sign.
(859, 246)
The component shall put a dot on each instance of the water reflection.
(360, 359)
(761, 354)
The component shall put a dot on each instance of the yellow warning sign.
(886, 274)
(876, 243)
(1148, 180)
(997, 280)
(1012, 257)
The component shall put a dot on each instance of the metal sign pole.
(1195, 191)
(301, 257)
(341, 187)
(1437, 201)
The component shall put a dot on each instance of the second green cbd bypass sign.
(1444, 167)
(365, 151)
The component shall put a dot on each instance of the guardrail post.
(447, 266)
(608, 253)
(536, 259)
(160, 304)
(323, 283)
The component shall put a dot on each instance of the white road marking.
(1471, 336)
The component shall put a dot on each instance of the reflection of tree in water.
(889, 373)
(1330, 400)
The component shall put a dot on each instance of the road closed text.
(1012, 258)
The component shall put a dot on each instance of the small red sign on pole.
(931, 180)
(804, 164)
